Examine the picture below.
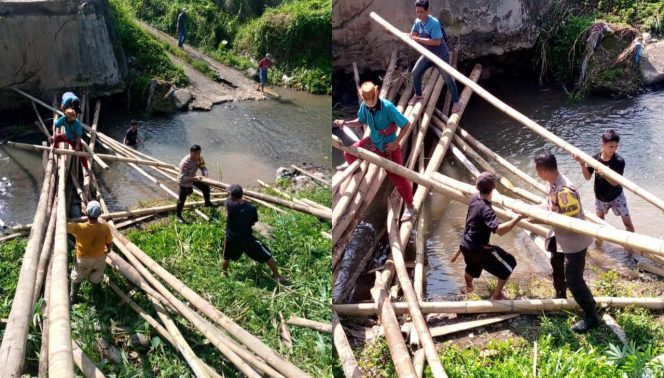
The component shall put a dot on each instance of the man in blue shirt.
(72, 133)
(428, 32)
(384, 121)
(180, 28)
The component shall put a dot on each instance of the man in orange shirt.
(93, 241)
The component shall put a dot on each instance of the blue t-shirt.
(380, 119)
(432, 29)
(72, 130)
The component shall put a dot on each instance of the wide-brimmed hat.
(369, 93)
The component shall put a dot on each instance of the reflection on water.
(639, 121)
(241, 142)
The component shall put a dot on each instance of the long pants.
(420, 68)
(401, 183)
(185, 191)
(568, 273)
(181, 37)
(63, 138)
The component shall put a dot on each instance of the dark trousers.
(568, 274)
(185, 191)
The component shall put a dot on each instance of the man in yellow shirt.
(93, 241)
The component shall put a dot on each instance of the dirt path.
(235, 83)
(206, 92)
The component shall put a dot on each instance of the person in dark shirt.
(608, 194)
(131, 138)
(478, 254)
(239, 236)
(181, 27)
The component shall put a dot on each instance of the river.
(638, 120)
(241, 142)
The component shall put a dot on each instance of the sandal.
(457, 107)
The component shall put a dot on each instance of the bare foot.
(468, 290)
(499, 297)
(599, 243)
(457, 107)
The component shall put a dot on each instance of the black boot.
(586, 324)
(73, 292)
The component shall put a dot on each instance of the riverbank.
(240, 33)
(191, 252)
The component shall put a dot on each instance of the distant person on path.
(481, 221)
(181, 28)
(568, 264)
(72, 133)
(187, 179)
(608, 194)
(428, 32)
(385, 122)
(131, 138)
(93, 241)
(70, 101)
(263, 66)
(239, 236)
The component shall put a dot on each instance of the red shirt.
(265, 63)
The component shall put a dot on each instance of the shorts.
(495, 261)
(263, 76)
(91, 269)
(618, 205)
(253, 248)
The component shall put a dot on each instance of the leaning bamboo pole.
(43, 350)
(388, 320)
(409, 293)
(250, 341)
(302, 322)
(307, 173)
(516, 115)
(485, 306)
(46, 253)
(344, 351)
(12, 349)
(643, 244)
(60, 359)
(34, 147)
(84, 363)
(464, 326)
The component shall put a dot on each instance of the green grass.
(249, 296)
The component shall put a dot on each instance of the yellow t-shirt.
(91, 239)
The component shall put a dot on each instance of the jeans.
(568, 273)
(401, 183)
(185, 191)
(181, 37)
(420, 68)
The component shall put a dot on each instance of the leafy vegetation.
(192, 253)
(239, 33)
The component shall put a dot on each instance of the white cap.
(94, 209)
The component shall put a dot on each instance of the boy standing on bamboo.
(478, 254)
(385, 123)
(568, 264)
(93, 241)
(608, 194)
(187, 179)
(239, 234)
(72, 133)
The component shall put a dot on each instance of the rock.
(181, 98)
(480, 27)
(251, 72)
(285, 173)
(285, 79)
(158, 98)
(201, 103)
(303, 182)
(652, 63)
(139, 339)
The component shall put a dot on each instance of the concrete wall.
(479, 27)
(57, 45)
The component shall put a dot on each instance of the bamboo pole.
(43, 350)
(418, 274)
(419, 359)
(84, 363)
(650, 268)
(409, 293)
(95, 157)
(388, 320)
(344, 351)
(486, 306)
(12, 349)
(275, 200)
(281, 193)
(59, 151)
(341, 177)
(46, 253)
(60, 359)
(516, 115)
(40, 123)
(316, 178)
(642, 244)
(464, 326)
(615, 328)
(302, 322)
(249, 340)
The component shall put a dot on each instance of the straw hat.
(369, 93)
